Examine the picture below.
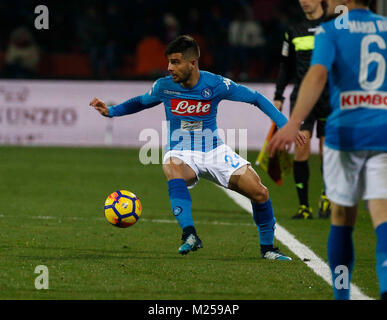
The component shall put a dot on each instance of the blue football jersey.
(191, 113)
(354, 50)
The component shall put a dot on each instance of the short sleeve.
(324, 48)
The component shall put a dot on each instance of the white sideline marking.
(300, 250)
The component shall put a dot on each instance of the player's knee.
(301, 153)
(170, 175)
(177, 169)
(172, 172)
(261, 195)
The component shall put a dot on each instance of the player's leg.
(376, 194)
(179, 175)
(301, 177)
(301, 166)
(340, 248)
(344, 180)
(378, 210)
(247, 182)
(324, 206)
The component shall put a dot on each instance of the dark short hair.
(185, 44)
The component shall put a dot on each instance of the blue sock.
(264, 219)
(180, 202)
(381, 257)
(341, 254)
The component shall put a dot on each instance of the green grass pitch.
(51, 214)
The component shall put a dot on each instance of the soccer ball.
(122, 208)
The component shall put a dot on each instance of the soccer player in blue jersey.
(194, 148)
(352, 51)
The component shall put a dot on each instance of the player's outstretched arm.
(310, 90)
(100, 106)
(130, 106)
(133, 105)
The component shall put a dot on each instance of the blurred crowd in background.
(125, 39)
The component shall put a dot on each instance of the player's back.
(358, 83)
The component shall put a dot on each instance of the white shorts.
(217, 165)
(355, 175)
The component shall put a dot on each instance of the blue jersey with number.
(354, 50)
(191, 113)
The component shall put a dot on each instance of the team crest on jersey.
(182, 107)
(206, 93)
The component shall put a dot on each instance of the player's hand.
(278, 104)
(301, 139)
(284, 138)
(100, 106)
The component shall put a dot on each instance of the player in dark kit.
(296, 55)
